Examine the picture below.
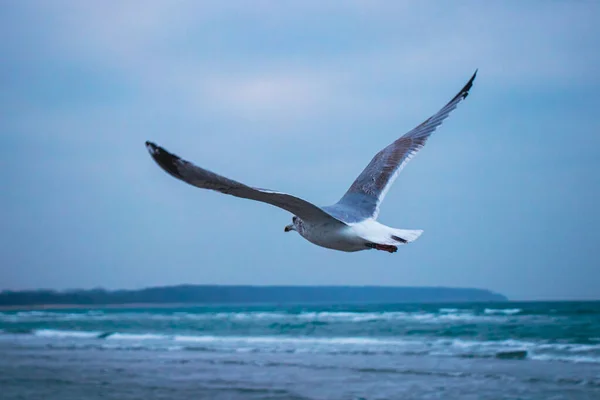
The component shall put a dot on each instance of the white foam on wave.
(138, 346)
(253, 315)
(29, 316)
(136, 336)
(322, 316)
(34, 313)
(566, 358)
(55, 333)
(441, 316)
(571, 347)
(449, 315)
(455, 347)
(504, 311)
(289, 340)
(416, 316)
(579, 353)
(327, 316)
(351, 345)
(449, 310)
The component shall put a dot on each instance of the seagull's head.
(293, 226)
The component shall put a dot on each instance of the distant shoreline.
(33, 307)
(216, 295)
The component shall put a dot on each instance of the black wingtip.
(464, 92)
(152, 148)
(164, 159)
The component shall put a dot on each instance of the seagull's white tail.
(405, 235)
(375, 232)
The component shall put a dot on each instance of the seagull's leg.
(385, 247)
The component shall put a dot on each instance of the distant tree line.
(206, 294)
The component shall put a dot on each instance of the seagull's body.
(350, 224)
(350, 237)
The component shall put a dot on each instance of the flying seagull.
(350, 224)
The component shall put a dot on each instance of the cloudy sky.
(298, 96)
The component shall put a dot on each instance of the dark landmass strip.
(216, 294)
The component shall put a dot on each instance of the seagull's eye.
(294, 219)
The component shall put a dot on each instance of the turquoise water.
(566, 332)
(310, 352)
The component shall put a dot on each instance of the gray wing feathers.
(368, 190)
(202, 178)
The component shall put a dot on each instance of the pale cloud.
(175, 50)
(271, 95)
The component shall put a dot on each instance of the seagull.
(351, 224)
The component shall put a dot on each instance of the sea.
(508, 350)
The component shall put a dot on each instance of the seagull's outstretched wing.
(199, 177)
(365, 195)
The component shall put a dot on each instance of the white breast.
(333, 237)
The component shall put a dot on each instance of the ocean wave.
(566, 358)
(448, 315)
(55, 333)
(503, 311)
(571, 347)
(332, 317)
(450, 310)
(29, 316)
(464, 348)
(33, 313)
(357, 341)
(519, 355)
(133, 336)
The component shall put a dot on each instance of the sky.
(297, 96)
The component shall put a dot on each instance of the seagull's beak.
(289, 228)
